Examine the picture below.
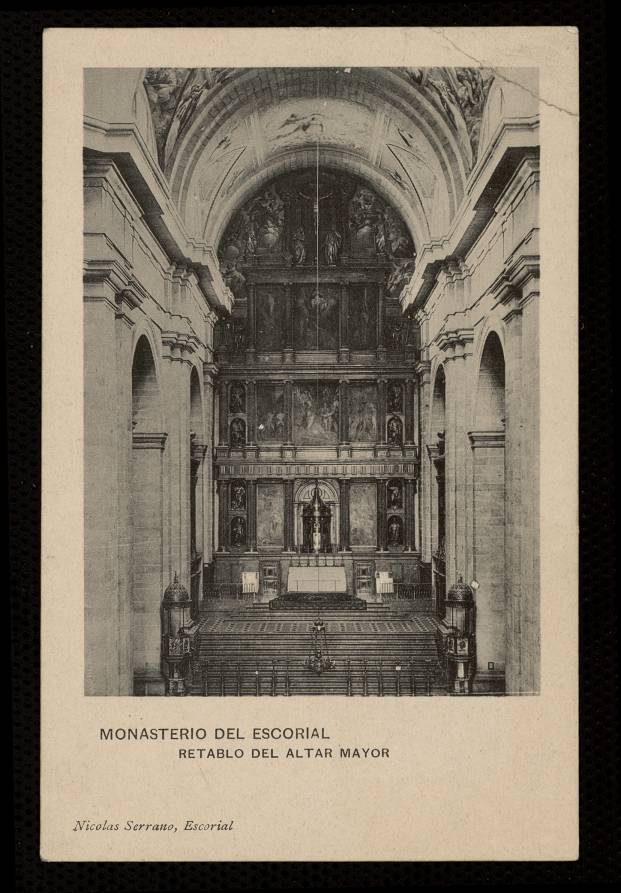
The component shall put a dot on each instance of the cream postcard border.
(468, 778)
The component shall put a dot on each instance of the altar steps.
(234, 646)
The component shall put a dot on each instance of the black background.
(21, 86)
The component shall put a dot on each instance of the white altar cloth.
(316, 579)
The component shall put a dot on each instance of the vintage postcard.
(310, 444)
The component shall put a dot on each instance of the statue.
(316, 537)
(332, 246)
(299, 246)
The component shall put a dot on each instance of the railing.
(351, 677)
(416, 596)
(229, 591)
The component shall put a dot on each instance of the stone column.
(223, 516)
(106, 621)
(410, 515)
(381, 516)
(409, 412)
(208, 482)
(289, 519)
(288, 398)
(381, 350)
(381, 420)
(251, 509)
(424, 518)
(343, 412)
(223, 413)
(344, 515)
(251, 347)
(344, 353)
(251, 412)
(489, 546)
(458, 456)
(288, 353)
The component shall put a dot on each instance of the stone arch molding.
(238, 122)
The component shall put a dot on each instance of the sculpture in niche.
(395, 531)
(316, 319)
(271, 416)
(364, 211)
(232, 277)
(362, 413)
(394, 494)
(299, 246)
(395, 431)
(332, 246)
(316, 413)
(362, 319)
(394, 335)
(238, 433)
(237, 397)
(238, 531)
(394, 397)
(238, 496)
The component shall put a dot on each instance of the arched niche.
(146, 409)
(329, 493)
(490, 399)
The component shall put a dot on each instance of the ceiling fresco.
(219, 128)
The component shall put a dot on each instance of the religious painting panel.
(316, 412)
(363, 514)
(362, 317)
(270, 316)
(270, 516)
(316, 317)
(271, 415)
(363, 412)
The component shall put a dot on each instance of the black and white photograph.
(311, 381)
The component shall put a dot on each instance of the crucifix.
(315, 199)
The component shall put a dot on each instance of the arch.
(146, 405)
(196, 405)
(413, 212)
(489, 413)
(429, 187)
(330, 496)
(438, 404)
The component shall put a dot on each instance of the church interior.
(311, 381)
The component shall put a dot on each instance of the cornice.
(147, 440)
(487, 439)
